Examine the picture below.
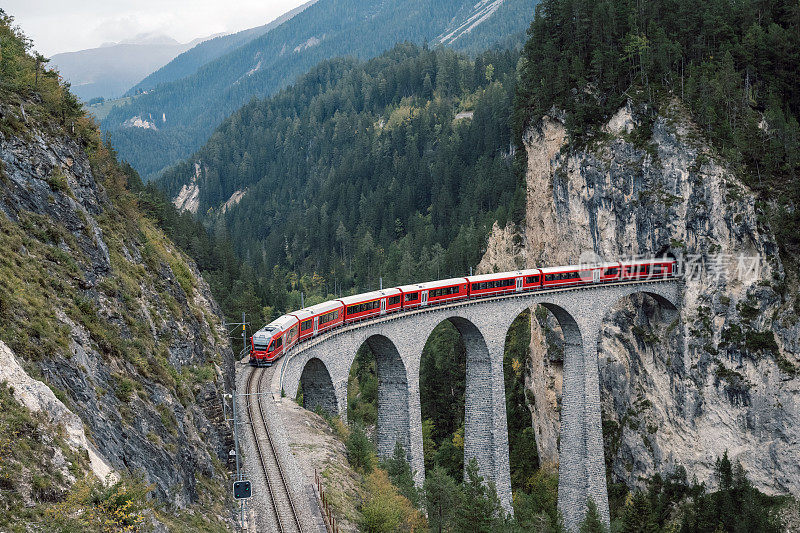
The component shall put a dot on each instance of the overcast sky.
(65, 26)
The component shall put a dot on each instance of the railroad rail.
(286, 517)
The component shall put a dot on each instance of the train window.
(360, 308)
(532, 279)
(611, 272)
(259, 346)
(327, 317)
(445, 291)
(293, 331)
(277, 343)
(306, 325)
(411, 296)
(394, 300)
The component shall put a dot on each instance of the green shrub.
(57, 181)
(123, 387)
(360, 451)
(761, 341)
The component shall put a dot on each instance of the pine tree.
(592, 523)
(400, 473)
(442, 496)
(480, 509)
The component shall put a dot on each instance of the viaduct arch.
(397, 342)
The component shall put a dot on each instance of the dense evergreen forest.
(361, 171)
(735, 63)
(186, 111)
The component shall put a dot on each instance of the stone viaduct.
(397, 341)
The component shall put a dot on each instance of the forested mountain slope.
(188, 62)
(178, 117)
(394, 168)
(112, 354)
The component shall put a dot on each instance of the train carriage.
(371, 304)
(272, 341)
(579, 274)
(423, 294)
(319, 318)
(504, 282)
(647, 269)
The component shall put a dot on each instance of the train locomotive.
(273, 340)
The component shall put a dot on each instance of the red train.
(274, 339)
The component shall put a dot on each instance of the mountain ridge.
(189, 61)
(109, 70)
(195, 105)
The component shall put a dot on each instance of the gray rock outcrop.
(726, 376)
(98, 304)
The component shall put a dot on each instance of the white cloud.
(61, 26)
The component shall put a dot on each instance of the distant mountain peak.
(150, 38)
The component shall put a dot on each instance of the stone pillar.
(340, 386)
(415, 452)
(485, 431)
(595, 456)
(393, 396)
(572, 443)
(502, 467)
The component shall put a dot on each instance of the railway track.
(286, 517)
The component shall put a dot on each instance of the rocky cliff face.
(100, 306)
(676, 390)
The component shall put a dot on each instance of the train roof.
(649, 261)
(318, 309)
(503, 275)
(279, 324)
(585, 266)
(433, 284)
(357, 298)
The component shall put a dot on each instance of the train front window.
(259, 345)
